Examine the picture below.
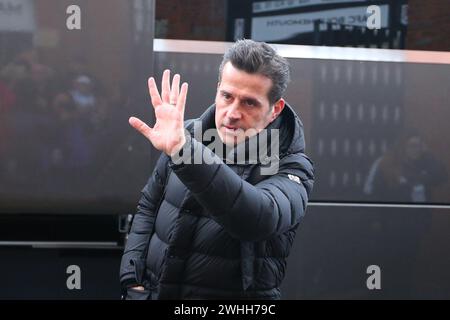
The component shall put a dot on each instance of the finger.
(182, 98)
(154, 94)
(175, 90)
(140, 126)
(165, 86)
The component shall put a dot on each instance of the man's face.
(242, 103)
(414, 148)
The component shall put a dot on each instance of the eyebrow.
(251, 99)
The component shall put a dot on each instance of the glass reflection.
(65, 98)
(392, 24)
(408, 172)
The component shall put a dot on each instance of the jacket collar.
(291, 136)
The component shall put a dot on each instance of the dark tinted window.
(69, 79)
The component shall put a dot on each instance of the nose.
(234, 112)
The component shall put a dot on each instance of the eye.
(226, 96)
(250, 103)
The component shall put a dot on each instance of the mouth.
(231, 129)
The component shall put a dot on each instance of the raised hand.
(167, 134)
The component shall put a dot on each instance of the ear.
(277, 108)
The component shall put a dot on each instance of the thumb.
(140, 126)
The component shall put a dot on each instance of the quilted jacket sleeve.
(142, 225)
(249, 212)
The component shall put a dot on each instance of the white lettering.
(74, 20)
(374, 280)
(74, 280)
(374, 20)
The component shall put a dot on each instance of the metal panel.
(374, 137)
(334, 247)
(310, 52)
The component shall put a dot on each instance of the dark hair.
(258, 57)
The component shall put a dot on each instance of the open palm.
(167, 134)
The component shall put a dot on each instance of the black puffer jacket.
(221, 230)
